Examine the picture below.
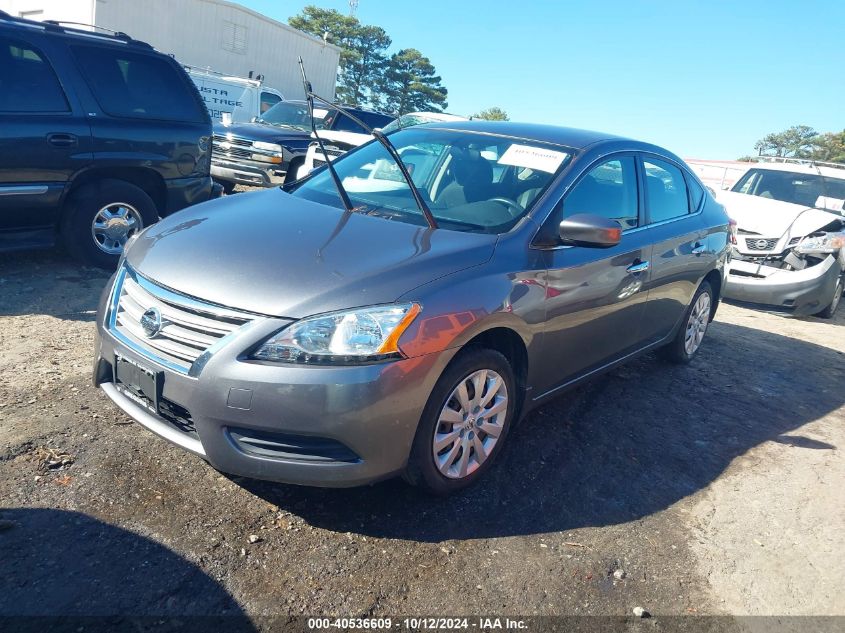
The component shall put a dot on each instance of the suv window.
(268, 100)
(28, 82)
(608, 190)
(666, 191)
(136, 85)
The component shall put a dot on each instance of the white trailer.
(217, 34)
(241, 99)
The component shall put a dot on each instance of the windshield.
(471, 182)
(808, 190)
(294, 115)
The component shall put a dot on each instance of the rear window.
(373, 119)
(136, 85)
(27, 81)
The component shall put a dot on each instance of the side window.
(28, 82)
(696, 193)
(665, 190)
(344, 124)
(136, 85)
(268, 100)
(608, 190)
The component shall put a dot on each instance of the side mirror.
(586, 229)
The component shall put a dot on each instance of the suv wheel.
(465, 422)
(101, 216)
(830, 310)
(688, 340)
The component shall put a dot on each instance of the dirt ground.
(710, 489)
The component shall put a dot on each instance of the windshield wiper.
(309, 96)
(380, 137)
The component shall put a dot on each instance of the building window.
(234, 37)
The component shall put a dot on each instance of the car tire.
(683, 348)
(461, 430)
(830, 310)
(123, 205)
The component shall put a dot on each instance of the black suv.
(268, 151)
(99, 136)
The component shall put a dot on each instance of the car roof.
(802, 168)
(569, 137)
(67, 29)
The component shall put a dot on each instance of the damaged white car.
(789, 254)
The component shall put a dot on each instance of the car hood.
(272, 253)
(264, 132)
(772, 218)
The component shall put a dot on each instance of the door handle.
(698, 248)
(638, 267)
(62, 140)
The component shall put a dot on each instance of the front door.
(595, 297)
(44, 137)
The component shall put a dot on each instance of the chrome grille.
(188, 327)
(760, 243)
(237, 147)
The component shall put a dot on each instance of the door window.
(666, 191)
(608, 190)
(28, 82)
(136, 85)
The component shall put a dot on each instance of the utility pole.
(353, 7)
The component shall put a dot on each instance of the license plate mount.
(141, 381)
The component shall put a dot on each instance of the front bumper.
(795, 292)
(318, 426)
(251, 173)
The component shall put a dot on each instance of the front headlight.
(349, 337)
(827, 243)
(268, 147)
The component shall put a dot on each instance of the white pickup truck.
(235, 98)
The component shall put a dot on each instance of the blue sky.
(705, 79)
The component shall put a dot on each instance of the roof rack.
(58, 26)
(799, 161)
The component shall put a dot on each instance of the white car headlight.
(348, 337)
(268, 147)
(827, 243)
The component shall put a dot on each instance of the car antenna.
(381, 138)
(309, 96)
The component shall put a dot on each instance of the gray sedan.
(352, 328)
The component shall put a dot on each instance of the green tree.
(829, 146)
(411, 84)
(363, 50)
(796, 142)
(492, 114)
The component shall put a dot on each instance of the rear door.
(44, 135)
(146, 112)
(674, 225)
(596, 297)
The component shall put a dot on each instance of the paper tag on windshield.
(831, 204)
(538, 158)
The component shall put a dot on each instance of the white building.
(223, 36)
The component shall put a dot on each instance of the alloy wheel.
(697, 323)
(113, 225)
(470, 424)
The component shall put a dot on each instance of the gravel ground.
(709, 489)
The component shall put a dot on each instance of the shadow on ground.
(49, 283)
(623, 447)
(58, 563)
